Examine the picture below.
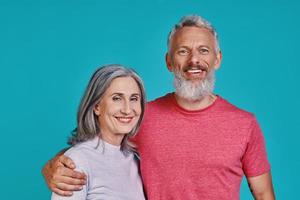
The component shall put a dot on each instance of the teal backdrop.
(49, 49)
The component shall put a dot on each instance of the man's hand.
(61, 177)
(262, 187)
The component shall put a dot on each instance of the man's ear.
(97, 109)
(168, 62)
(218, 60)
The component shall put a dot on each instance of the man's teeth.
(194, 70)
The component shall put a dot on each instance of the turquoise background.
(49, 49)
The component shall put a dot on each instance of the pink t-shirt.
(198, 154)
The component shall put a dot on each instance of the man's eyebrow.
(182, 46)
(205, 46)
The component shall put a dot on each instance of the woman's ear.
(97, 109)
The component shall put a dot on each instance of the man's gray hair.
(87, 122)
(197, 21)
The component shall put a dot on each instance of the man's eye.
(182, 52)
(204, 51)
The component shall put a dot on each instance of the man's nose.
(195, 58)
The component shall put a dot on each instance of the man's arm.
(60, 175)
(261, 186)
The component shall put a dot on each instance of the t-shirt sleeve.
(255, 160)
(81, 166)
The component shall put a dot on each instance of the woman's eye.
(116, 98)
(134, 98)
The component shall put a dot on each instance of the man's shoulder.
(160, 101)
(229, 108)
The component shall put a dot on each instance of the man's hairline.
(216, 50)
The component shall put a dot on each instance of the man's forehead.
(192, 34)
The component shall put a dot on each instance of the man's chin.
(195, 82)
(193, 88)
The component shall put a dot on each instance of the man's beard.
(194, 91)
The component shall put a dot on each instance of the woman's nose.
(126, 109)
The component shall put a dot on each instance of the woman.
(110, 112)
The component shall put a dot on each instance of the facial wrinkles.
(118, 105)
(194, 59)
(202, 65)
(193, 37)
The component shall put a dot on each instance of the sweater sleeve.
(81, 166)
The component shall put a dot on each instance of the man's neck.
(196, 104)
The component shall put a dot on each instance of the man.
(193, 144)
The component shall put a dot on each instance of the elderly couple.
(190, 144)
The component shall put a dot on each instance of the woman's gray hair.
(87, 121)
(197, 21)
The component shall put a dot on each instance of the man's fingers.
(77, 175)
(61, 192)
(62, 171)
(66, 161)
(70, 181)
(67, 187)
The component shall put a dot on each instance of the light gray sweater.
(111, 175)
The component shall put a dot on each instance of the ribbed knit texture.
(110, 174)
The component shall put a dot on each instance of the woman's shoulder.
(81, 153)
(82, 147)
